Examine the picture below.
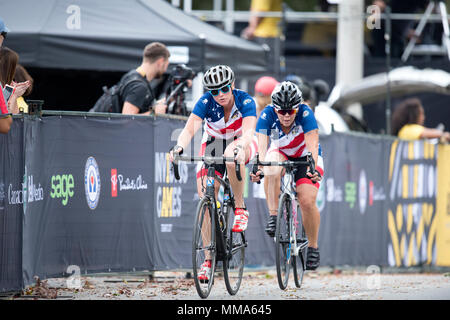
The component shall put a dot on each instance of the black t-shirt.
(138, 93)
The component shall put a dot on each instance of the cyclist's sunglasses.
(225, 89)
(289, 112)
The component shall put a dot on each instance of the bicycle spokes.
(234, 259)
(204, 250)
(283, 242)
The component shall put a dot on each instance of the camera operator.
(174, 86)
(138, 96)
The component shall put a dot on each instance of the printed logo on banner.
(119, 183)
(412, 207)
(92, 184)
(334, 192)
(168, 189)
(362, 193)
(30, 192)
(113, 183)
(62, 187)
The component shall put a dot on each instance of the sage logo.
(62, 187)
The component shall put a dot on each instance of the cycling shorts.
(300, 174)
(213, 147)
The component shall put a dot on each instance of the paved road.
(256, 285)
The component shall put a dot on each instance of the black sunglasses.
(223, 89)
(289, 112)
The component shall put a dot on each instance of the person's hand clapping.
(20, 88)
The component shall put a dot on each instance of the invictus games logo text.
(168, 195)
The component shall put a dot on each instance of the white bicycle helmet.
(286, 96)
(218, 77)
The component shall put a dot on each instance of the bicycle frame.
(228, 200)
(288, 184)
(288, 187)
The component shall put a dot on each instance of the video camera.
(178, 86)
(181, 73)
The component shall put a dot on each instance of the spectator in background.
(263, 90)
(5, 118)
(402, 30)
(312, 92)
(3, 31)
(8, 64)
(138, 97)
(408, 122)
(265, 30)
(22, 75)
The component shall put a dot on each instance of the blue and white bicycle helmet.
(218, 77)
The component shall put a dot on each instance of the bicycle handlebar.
(289, 163)
(207, 160)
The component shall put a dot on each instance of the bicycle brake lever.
(312, 165)
(176, 172)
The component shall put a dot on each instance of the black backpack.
(110, 100)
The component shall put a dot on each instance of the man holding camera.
(174, 86)
(138, 96)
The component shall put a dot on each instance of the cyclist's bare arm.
(248, 130)
(193, 123)
(312, 144)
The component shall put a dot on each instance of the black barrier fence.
(97, 194)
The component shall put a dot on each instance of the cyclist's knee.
(307, 203)
(229, 151)
(272, 172)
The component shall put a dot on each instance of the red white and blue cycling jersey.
(215, 126)
(292, 144)
(207, 108)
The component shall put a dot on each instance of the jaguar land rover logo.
(92, 182)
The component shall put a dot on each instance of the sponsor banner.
(175, 201)
(411, 200)
(443, 207)
(100, 194)
(352, 200)
(16, 188)
(92, 202)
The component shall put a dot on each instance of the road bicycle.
(212, 234)
(290, 238)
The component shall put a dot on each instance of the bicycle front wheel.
(233, 266)
(283, 247)
(299, 261)
(204, 247)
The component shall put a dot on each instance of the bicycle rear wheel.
(204, 247)
(233, 267)
(283, 248)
